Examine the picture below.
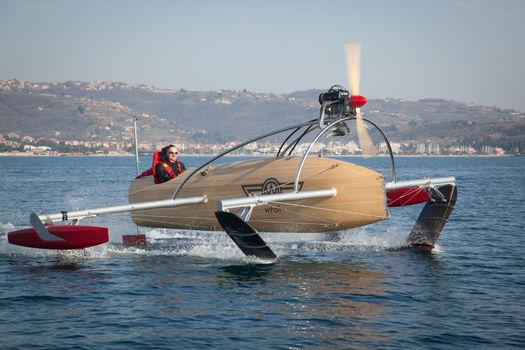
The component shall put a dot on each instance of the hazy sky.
(465, 50)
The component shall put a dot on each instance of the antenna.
(135, 139)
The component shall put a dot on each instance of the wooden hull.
(360, 198)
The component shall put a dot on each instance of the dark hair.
(164, 151)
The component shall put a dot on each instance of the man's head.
(171, 152)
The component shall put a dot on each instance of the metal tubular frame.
(89, 213)
(226, 204)
(436, 181)
(294, 143)
(290, 148)
(177, 190)
(329, 126)
(284, 142)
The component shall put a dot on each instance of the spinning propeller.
(353, 72)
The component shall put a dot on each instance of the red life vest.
(165, 165)
(172, 173)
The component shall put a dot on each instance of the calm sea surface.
(196, 290)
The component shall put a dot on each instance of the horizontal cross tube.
(420, 182)
(82, 214)
(225, 204)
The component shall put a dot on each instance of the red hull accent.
(407, 196)
(138, 241)
(74, 237)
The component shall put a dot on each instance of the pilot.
(168, 167)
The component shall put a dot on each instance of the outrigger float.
(285, 194)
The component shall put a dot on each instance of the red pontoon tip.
(67, 237)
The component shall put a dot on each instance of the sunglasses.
(173, 153)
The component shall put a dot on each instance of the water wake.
(217, 245)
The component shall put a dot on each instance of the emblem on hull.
(270, 186)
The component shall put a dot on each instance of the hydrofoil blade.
(433, 218)
(246, 238)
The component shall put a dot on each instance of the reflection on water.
(246, 273)
(333, 301)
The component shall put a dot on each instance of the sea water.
(193, 289)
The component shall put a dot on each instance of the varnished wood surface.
(360, 198)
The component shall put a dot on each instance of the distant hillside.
(103, 110)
